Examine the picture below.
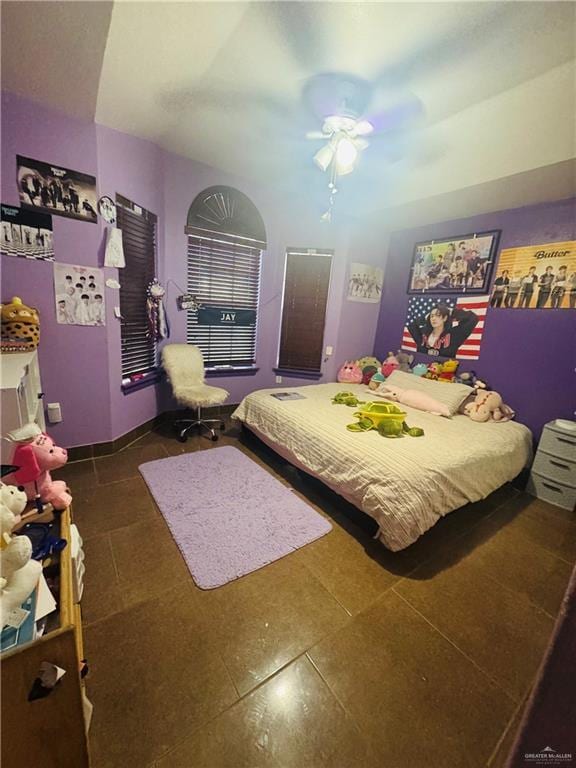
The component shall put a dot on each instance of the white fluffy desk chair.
(184, 366)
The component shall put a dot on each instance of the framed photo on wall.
(460, 264)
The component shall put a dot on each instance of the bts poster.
(79, 295)
(51, 189)
(536, 277)
(26, 234)
(445, 326)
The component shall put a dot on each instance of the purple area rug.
(229, 516)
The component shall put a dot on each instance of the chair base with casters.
(185, 426)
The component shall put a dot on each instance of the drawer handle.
(552, 487)
(558, 464)
(565, 440)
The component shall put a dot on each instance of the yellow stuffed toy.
(448, 372)
(20, 326)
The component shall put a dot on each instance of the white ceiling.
(222, 83)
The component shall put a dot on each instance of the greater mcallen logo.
(548, 756)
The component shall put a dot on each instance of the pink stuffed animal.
(350, 373)
(34, 460)
(390, 364)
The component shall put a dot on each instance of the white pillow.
(451, 395)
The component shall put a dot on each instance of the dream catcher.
(157, 320)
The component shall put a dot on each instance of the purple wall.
(73, 359)
(81, 366)
(528, 356)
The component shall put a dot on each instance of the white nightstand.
(553, 473)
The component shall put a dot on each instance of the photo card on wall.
(536, 277)
(79, 295)
(445, 326)
(365, 283)
(27, 234)
(56, 190)
(461, 264)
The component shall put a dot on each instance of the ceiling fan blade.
(299, 29)
(449, 49)
(337, 93)
(394, 111)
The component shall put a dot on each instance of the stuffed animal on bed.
(390, 364)
(349, 373)
(488, 406)
(369, 366)
(448, 372)
(404, 361)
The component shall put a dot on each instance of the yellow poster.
(536, 277)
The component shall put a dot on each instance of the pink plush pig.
(350, 373)
(34, 459)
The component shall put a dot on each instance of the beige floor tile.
(500, 755)
(124, 464)
(154, 676)
(495, 626)
(102, 595)
(148, 561)
(414, 695)
(291, 721)
(266, 619)
(108, 507)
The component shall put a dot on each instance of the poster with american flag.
(446, 326)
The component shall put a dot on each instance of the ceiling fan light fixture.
(324, 157)
(346, 156)
(363, 128)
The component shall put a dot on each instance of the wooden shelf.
(55, 732)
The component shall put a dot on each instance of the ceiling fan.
(351, 110)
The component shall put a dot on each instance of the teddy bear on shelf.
(18, 573)
(35, 455)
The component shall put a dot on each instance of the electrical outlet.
(329, 351)
(278, 379)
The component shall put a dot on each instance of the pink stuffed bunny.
(34, 460)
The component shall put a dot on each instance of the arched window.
(226, 237)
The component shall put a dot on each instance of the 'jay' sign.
(226, 316)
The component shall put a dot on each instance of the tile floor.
(341, 655)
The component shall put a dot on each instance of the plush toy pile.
(35, 455)
(18, 573)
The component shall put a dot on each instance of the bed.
(405, 484)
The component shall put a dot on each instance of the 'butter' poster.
(536, 277)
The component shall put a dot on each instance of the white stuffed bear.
(13, 498)
(18, 573)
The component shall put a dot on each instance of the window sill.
(296, 374)
(147, 380)
(214, 373)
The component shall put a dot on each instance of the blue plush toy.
(420, 369)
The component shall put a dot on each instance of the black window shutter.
(139, 241)
(306, 285)
(223, 272)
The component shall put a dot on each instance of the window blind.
(306, 284)
(224, 272)
(139, 241)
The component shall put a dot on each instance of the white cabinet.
(21, 394)
(553, 474)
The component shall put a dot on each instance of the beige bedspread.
(405, 484)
